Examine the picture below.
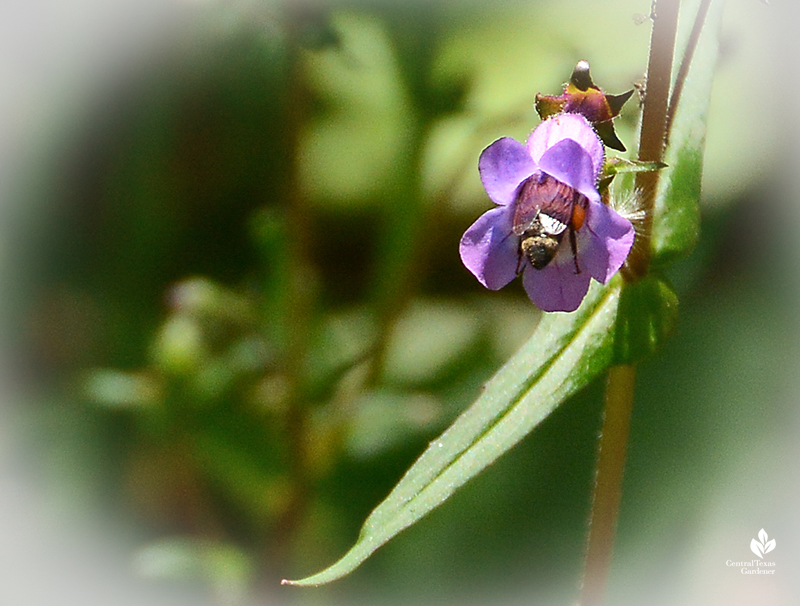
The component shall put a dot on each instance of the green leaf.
(676, 223)
(647, 313)
(615, 166)
(565, 353)
(619, 166)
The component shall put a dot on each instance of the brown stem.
(654, 124)
(686, 62)
(608, 483)
(621, 379)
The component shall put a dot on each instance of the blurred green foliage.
(249, 316)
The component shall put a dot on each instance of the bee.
(546, 211)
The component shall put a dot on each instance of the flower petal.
(489, 250)
(556, 287)
(503, 166)
(566, 126)
(605, 242)
(568, 162)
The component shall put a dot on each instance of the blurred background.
(234, 311)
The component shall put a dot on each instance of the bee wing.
(529, 202)
(546, 198)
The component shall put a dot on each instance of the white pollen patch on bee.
(551, 225)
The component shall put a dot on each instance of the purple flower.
(549, 222)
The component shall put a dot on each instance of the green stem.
(399, 256)
(403, 251)
(608, 483)
(298, 299)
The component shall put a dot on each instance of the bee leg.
(573, 242)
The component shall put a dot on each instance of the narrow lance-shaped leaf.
(615, 165)
(676, 224)
(648, 308)
(565, 353)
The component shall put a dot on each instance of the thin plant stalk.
(298, 310)
(686, 62)
(621, 379)
(608, 486)
(652, 138)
